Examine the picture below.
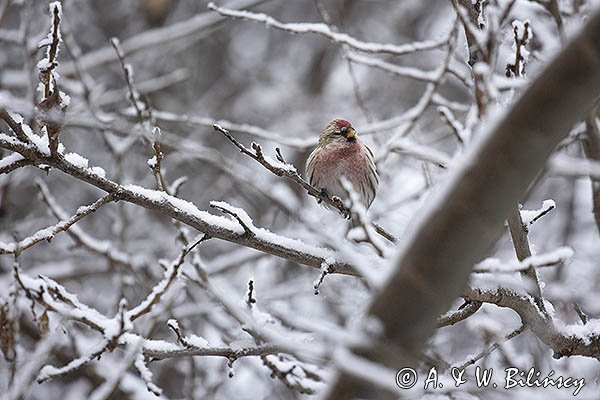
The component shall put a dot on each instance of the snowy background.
(144, 313)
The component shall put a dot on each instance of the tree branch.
(280, 168)
(325, 30)
(591, 148)
(563, 340)
(464, 312)
(48, 233)
(518, 233)
(184, 211)
(491, 348)
(468, 212)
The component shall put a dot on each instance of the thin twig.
(48, 233)
(582, 316)
(161, 287)
(491, 348)
(287, 170)
(280, 168)
(324, 30)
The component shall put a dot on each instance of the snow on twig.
(491, 348)
(532, 216)
(464, 312)
(116, 332)
(238, 214)
(146, 374)
(117, 373)
(564, 340)
(161, 287)
(16, 124)
(325, 30)
(288, 141)
(52, 41)
(50, 372)
(93, 244)
(457, 128)
(12, 162)
(296, 375)
(48, 233)
(551, 258)
(405, 72)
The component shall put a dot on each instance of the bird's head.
(338, 131)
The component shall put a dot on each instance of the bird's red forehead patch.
(341, 123)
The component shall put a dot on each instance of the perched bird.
(341, 153)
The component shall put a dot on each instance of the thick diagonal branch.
(467, 214)
(591, 148)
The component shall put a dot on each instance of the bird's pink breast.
(346, 159)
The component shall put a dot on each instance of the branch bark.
(591, 148)
(520, 239)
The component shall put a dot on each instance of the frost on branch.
(50, 111)
(522, 35)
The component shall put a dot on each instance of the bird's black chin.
(351, 139)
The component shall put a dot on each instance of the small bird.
(340, 153)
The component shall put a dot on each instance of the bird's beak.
(351, 134)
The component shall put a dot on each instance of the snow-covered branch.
(405, 72)
(12, 162)
(530, 217)
(227, 352)
(325, 30)
(464, 312)
(488, 350)
(52, 41)
(161, 287)
(258, 132)
(564, 340)
(48, 233)
(186, 212)
(93, 244)
(116, 331)
(50, 111)
(552, 258)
